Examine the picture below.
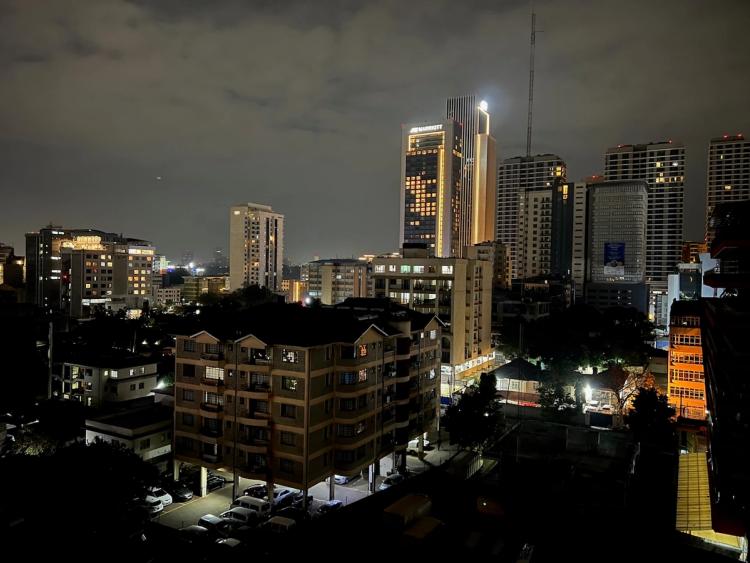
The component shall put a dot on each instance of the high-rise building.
(431, 187)
(256, 246)
(691, 251)
(728, 177)
(458, 291)
(478, 170)
(294, 395)
(616, 246)
(332, 281)
(662, 167)
(524, 215)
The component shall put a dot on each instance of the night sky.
(152, 118)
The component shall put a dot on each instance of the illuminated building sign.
(426, 128)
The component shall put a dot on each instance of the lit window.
(289, 356)
(419, 269)
(362, 376)
(380, 268)
(392, 268)
(447, 269)
(405, 268)
(289, 383)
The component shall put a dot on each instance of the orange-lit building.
(686, 388)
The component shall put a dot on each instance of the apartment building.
(686, 387)
(459, 292)
(293, 395)
(334, 280)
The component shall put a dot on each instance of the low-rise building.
(336, 279)
(686, 385)
(147, 430)
(168, 296)
(98, 379)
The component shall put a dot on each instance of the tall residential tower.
(256, 246)
(524, 215)
(728, 176)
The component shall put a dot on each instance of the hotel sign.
(426, 128)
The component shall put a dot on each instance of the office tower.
(728, 177)
(524, 195)
(458, 291)
(662, 167)
(616, 246)
(331, 281)
(431, 187)
(478, 170)
(256, 246)
(294, 395)
(568, 233)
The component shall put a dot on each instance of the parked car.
(218, 527)
(180, 491)
(228, 543)
(215, 482)
(256, 491)
(261, 507)
(297, 514)
(152, 505)
(195, 535)
(161, 494)
(282, 498)
(344, 479)
(328, 507)
(279, 525)
(299, 500)
(393, 479)
(239, 515)
(412, 448)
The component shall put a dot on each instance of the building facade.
(99, 380)
(728, 175)
(431, 189)
(168, 296)
(478, 169)
(662, 167)
(459, 292)
(306, 392)
(616, 244)
(256, 246)
(686, 389)
(525, 182)
(334, 280)
(195, 286)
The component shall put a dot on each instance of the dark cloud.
(299, 104)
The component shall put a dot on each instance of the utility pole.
(531, 82)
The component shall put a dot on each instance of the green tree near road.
(476, 419)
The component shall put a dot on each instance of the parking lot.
(181, 514)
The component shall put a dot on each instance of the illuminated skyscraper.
(256, 246)
(478, 170)
(431, 187)
(662, 167)
(728, 176)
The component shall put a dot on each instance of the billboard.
(614, 258)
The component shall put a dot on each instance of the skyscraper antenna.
(531, 81)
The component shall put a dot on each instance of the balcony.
(212, 407)
(212, 381)
(212, 357)
(211, 432)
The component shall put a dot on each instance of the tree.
(624, 384)
(555, 400)
(476, 419)
(651, 418)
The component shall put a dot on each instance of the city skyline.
(115, 121)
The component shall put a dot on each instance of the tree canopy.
(476, 419)
(651, 418)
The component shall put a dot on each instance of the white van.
(261, 507)
(279, 524)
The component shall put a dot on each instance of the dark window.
(188, 346)
(288, 438)
(187, 395)
(289, 411)
(188, 419)
(286, 465)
